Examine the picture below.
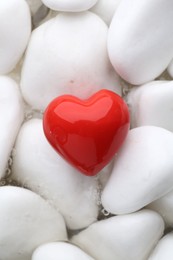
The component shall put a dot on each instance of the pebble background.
(49, 211)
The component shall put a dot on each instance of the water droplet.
(2, 183)
(10, 161)
(7, 172)
(105, 212)
(125, 91)
(28, 115)
(13, 152)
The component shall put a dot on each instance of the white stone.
(106, 9)
(70, 5)
(164, 249)
(11, 117)
(125, 237)
(164, 206)
(152, 104)
(26, 221)
(67, 54)
(59, 250)
(15, 29)
(142, 171)
(140, 41)
(37, 166)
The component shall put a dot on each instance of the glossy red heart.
(87, 133)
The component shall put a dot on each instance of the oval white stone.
(70, 5)
(11, 117)
(67, 54)
(26, 221)
(15, 29)
(140, 41)
(142, 171)
(152, 104)
(106, 9)
(164, 249)
(60, 250)
(37, 166)
(125, 237)
(164, 206)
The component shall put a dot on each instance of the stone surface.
(125, 237)
(140, 41)
(11, 117)
(26, 221)
(70, 5)
(152, 104)
(142, 170)
(60, 250)
(164, 249)
(67, 54)
(37, 166)
(15, 32)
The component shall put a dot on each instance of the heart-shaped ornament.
(87, 133)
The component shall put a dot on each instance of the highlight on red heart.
(87, 133)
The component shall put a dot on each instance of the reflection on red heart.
(87, 133)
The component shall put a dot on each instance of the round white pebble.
(61, 251)
(125, 237)
(15, 29)
(11, 117)
(164, 249)
(70, 5)
(140, 41)
(67, 55)
(37, 166)
(26, 221)
(152, 104)
(142, 170)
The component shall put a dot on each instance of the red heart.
(87, 133)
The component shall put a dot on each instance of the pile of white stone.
(48, 210)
